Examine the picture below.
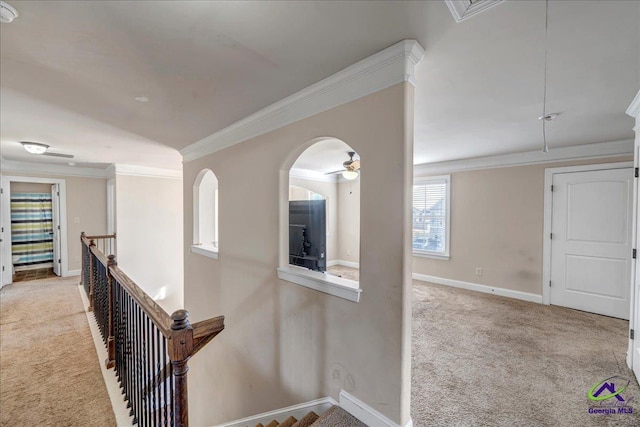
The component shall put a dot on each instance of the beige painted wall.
(86, 201)
(329, 191)
(283, 343)
(497, 218)
(149, 229)
(349, 221)
(30, 187)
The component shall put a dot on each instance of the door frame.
(6, 276)
(548, 213)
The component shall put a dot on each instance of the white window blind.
(431, 216)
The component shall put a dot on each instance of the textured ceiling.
(70, 71)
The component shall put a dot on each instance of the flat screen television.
(308, 234)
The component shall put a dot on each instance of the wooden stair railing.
(148, 348)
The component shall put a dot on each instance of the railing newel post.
(111, 344)
(92, 269)
(180, 351)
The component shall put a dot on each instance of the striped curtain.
(31, 229)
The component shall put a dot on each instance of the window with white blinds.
(431, 216)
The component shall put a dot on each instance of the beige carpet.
(484, 360)
(49, 369)
(346, 272)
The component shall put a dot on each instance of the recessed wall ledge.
(327, 283)
(208, 251)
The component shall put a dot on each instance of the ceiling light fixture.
(141, 99)
(35, 147)
(349, 175)
(7, 13)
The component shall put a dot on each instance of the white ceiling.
(324, 157)
(70, 70)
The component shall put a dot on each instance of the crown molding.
(30, 168)
(634, 107)
(386, 68)
(576, 152)
(464, 9)
(145, 171)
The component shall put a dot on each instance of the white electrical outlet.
(76, 220)
(478, 271)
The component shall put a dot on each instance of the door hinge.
(552, 188)
(631, 334)
(551, 236)
(637, 174)
(1, 190)
(549, 283)
(633, 254)
(58, 227)
(3, 268)
(59, 261)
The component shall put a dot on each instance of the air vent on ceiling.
(465, 9)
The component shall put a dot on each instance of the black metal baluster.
(139, 371)
(165, 404)
(129, 327)
(136, 368)
(154, 374)
(145, 354)
(172, 396)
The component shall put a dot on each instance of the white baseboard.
(343, 263)
(298, 411)
(71, 273)
(525, 296)
(365, 413)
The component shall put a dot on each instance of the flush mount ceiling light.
(35, 147)
(141, 99)
(7, 13)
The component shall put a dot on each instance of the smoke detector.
(7, 13)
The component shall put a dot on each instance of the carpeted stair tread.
(288, 422)
(273, 423)
(307, 420)
(338, 417)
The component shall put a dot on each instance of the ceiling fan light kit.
(349, 175)
(34, 147)
(7, 13)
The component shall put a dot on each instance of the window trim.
(447, 248)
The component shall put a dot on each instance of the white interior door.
(591, 241)
(55, 199)
(635, 325)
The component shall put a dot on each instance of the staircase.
(333, 417)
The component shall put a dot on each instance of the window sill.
(432, 255)
(332, 285)
(208, 251)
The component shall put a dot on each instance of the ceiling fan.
(351, 167)
(41, 149)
